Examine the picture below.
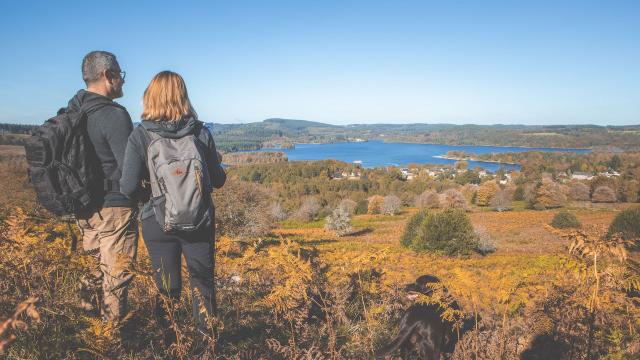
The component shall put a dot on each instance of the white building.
(579, 175)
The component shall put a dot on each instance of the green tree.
(615, 163)
(468, 177)
(412, 227)
(627, 224)
(565, 220)
(449, 232)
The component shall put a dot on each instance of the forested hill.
(283, 133)
(296, 125)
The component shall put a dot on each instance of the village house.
(339, 175)
(611, 173)
(579, 175)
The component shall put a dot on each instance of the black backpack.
(62, 164)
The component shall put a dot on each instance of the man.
(110, 231)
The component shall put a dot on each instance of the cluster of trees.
(386, 205)
(249, 158)
(536, 163)
(488, 194)
(16, 128)
(229, 144)
(293, 182)
(616, 176)
(308, 191)
(546, 193)
(517, 135)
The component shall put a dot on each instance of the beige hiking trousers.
(110, 235)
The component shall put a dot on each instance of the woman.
(168, 117)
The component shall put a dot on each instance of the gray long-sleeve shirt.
(108, 126)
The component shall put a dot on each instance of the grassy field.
(302, 292)
(528, 250)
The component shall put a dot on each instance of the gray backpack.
(180, 187)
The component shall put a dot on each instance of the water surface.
(379, 153)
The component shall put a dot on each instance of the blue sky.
(340, 62)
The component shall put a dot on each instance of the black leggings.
(166, 252)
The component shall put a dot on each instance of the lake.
(381, 154)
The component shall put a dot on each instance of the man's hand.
(219, 157)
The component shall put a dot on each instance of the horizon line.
(386, 123)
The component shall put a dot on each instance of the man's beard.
(118, 93)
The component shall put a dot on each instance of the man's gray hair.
(95, 62)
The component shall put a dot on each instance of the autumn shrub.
(565, 220)
(486, 244)
(348, 205)
(277, 212)
(493, 338)
(545, 194)
(449, 232)
(375, 202)
(362, 207)
(16, 186)
(550, 195)
(339, 222)
(501, 200)
(605, 288)
(627, 224)
(391, 205)
(486, 191)
(324, 212)
(469, 192)
(579, 192)
(429, 199)
(37, 263)
(309, 209)
(603, 194)
(243, 210)
(407, 198)
(601, 180)
(631, 191)
(453, 199)
(15, 324)
(518, 194)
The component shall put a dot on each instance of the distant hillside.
(295, 125)
(283, 133)
(274, 133)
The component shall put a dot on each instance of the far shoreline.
(455, 158)
(460, 145)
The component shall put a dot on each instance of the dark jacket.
(109, 126)
(135, 159)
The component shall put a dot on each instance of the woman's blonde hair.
(166, 98)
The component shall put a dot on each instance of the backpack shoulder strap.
(148, 135)
(202, 133)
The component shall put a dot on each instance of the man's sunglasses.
(122, 74)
